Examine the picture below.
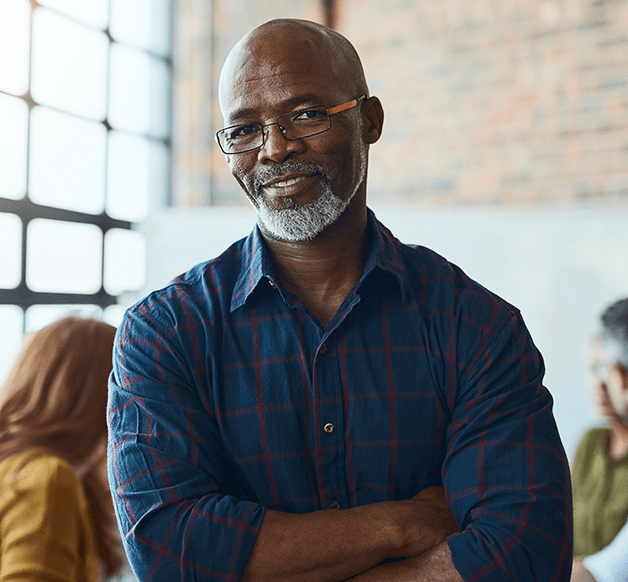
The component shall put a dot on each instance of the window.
(85, 144)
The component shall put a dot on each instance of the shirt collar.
(256, 263)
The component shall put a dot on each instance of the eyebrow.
(296, 100)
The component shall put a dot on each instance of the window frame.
(27, 210)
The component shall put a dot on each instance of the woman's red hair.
(54, 400)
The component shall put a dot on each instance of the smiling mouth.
(286, 183)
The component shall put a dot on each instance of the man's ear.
(373, 114)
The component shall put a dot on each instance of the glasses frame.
(329, 111)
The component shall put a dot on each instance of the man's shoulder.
(442, 284)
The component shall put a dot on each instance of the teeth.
(286, 183)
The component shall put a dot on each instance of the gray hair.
(615, 332)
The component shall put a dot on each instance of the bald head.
(267, 50)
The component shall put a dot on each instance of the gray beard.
(301, 223)
(296, 223)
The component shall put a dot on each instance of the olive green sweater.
(600, 493)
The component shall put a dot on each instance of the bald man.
(321, 402)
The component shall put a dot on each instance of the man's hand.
(425, 521)
(579, 573)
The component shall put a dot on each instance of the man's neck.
(321, 272)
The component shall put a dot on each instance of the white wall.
(560, 266)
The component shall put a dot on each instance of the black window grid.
(26, 210)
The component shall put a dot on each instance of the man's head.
(613, 364)
(299, 186)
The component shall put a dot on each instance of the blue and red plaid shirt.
(228, 397)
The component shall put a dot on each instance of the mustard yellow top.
(46, 533)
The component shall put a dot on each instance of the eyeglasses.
(238, 139)
(600, 370)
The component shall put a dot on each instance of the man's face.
(599, 378)
(299, 187)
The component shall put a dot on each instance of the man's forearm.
(334, 545)
(435, 565)
(324, 546)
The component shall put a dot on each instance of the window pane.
(63, 257)
(142, 23)
(13, 124)
(14, 45)
(125, 261)
(139, 92)
(11, 324)
(113, 314)
(91, 12)
(138, 168)
(67, 161)
(69, 65)
(10, 251)
(39, 316)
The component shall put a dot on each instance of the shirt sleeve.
(43, 530)
(506, 475)
(611, 563)
(167, 469)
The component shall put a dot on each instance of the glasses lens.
(241, 138)
(305, 122)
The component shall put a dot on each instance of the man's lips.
(286, 180)
(287, 185)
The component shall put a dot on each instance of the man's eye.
(243, 131)
(309, 115)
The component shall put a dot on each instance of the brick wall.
(489, 101)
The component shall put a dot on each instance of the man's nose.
(276, 147)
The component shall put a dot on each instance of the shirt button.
(334, 504)
(323, 349)
(272, 284)
(329, 428)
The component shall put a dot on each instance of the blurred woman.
(600, 468)
(56, 515)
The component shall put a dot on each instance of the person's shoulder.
(40, 471)
(443, 283)
(594, 438)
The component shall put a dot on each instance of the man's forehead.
(258, 82)
(277, 56)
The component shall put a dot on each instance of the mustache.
(285, 168)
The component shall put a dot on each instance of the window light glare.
(11, 324)
(142, 23)
(10, 251)
(67, 168)
(14, 41)
(138, 93)
(13, 133)
(125, 261)
(63, 257)
(69, 65)
(38, 316)
(91, 12)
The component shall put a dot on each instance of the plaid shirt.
(228, 397)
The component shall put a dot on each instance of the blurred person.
(322, 401)
(56, 517)
(600, 468)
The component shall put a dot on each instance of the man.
(291, 409)
(600, 468)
